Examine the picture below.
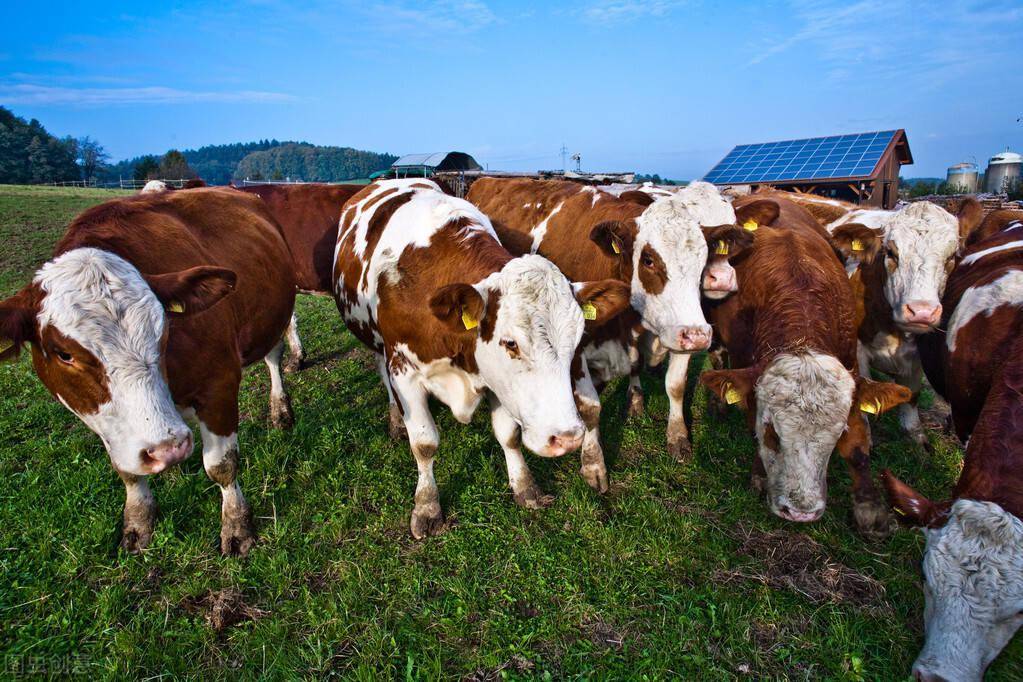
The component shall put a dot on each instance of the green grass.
(646, 581)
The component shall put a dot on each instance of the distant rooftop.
(438, 162)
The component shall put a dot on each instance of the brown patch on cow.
(798, 563)
(222, 609)
(993, 223)
(637, 197)
(81, 382)
(374, 200)
(653, 274)
(225, 471)
(489, 321)
(380, 219)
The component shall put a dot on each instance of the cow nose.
(922, 312)
(564, 442)
(922, 675)
(719, 279)
(789, 514)
(166, 453)
(694, 337)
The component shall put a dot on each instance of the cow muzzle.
(688, 338)
(564, 442)
(719, 281)
(919, 316)
(167, 453)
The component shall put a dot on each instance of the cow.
(790, 333)
(308, 216)
(422, 279)
(973, 563)
(145, 316)
(155, 186)
(900, 290)
(658, 248)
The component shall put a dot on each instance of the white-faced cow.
(900, 290)
(973, 561)
(422, 279)
(657, 248)
(790, 333)
(148, 311)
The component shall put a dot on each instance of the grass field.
(678, 570)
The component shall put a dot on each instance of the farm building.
(424, 165)
(861, 167)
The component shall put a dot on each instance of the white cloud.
(48, 95)
(608, 12)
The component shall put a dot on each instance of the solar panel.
(839, 156)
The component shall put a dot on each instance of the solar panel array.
(841, 156)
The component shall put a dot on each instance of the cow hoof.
(396, 429)
(596, 478)
(427, 520)
(635, 403)
(681, 449)
(293, 364)
(531, 497)
(136, 538)
(873, 520)
(281, 416)
(236, 533)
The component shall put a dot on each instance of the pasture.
(678, 570)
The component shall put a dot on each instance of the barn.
(859, 167)
(424, 165)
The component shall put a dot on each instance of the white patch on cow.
(973, 589)
(806, 398)
(154, 186)
(667, 227)
(607, 360)
(101, 301)
(538, 232)
(974, 257)
(983, 300)
(706, 204)
(453, 386)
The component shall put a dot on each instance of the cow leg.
(220, 460)
(679, 446)
(139, 513)
(587, 401)
(296, 354)
(635, 396)
(909, 413)
(525, 490)
(280, 405)
(718, 360)
(395, 421)
(427, 517)
(870, 513)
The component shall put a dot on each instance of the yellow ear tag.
(857, 245)
(5, 344)
(614, 245)
(176, 307)
(750, 226)
(871, 408)
(722, 249)
(468, 320)
(589, 311)
(899, 511)
(732, 396)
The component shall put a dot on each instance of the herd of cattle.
(536, 294)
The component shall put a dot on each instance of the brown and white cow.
(308, 216)
(901, 290)
(790, 332)
(658, 248)
(422, 279)
(973, 561)
(147, 312)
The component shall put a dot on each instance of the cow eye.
(647, 261)
(511, 347)
(893, 254)
(65, 357)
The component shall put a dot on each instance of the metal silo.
(1002, 169)
(963, 176)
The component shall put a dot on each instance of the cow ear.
(726, 240)
(613, 238)
(856, 243)
(192, 291)
(601, 300)
(637, 197)
(910, 507)
(459, 306)
(970, 216)
(733, 386)
(515, 242)
(756, 213)
(877, 397)
(17, 324)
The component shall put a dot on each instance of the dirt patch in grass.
(800, 564)
(516, 663)
(603, 634)
(222, 609)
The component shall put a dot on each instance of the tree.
(92, 157)
(147, 168)
(174, 166)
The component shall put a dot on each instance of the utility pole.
(564, 154)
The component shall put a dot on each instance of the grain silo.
(1002, 170)
(963, 176)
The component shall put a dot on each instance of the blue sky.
(657, 86)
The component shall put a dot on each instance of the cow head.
(919, 248)
(528, 323)
(97, 328)
(802, 404)
(663, 255)
(973, 581)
